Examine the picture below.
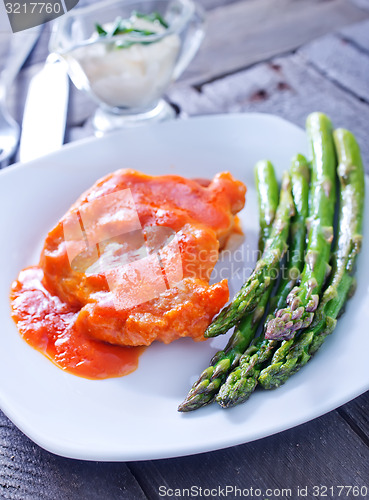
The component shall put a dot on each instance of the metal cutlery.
(45, 111)
(20, 46)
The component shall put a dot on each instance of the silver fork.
(21, 45)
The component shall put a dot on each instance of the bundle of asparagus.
(243, 380)
(300, 317)
(211, 379)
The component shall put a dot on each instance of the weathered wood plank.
(30, 473)
(341, 62)
(247, 32)
(357, 413)
(287, 87)
(212, 4)
(358, 33)
(323, 452)
(364, 4)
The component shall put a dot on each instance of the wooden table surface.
(287, 57)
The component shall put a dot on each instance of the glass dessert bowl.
(125, 54)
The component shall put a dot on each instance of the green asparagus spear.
(294, 354)
(268, 197)
(242, 381)
(300, 178)
(303, 300)
(207, 386)
(266, 268)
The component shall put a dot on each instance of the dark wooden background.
(287, 57)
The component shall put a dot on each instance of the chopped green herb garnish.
(154, 16)
(126, 26)
(117, 27)
(100, 30)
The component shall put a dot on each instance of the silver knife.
(21, 44)
(45, 111)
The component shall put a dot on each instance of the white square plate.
(135, 417)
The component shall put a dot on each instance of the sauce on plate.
(128, 264)
(48, 325)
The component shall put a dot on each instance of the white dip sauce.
(132, 77)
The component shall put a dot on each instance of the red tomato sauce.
(48, 325)
(94, 298)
